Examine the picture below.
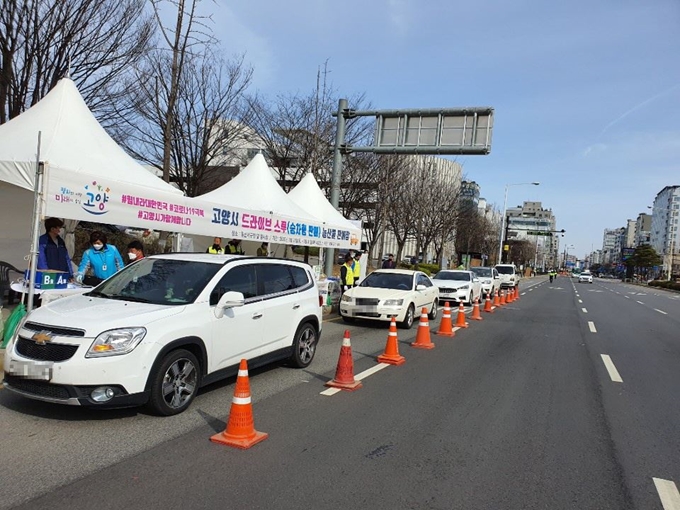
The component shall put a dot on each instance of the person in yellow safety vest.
(216, 248)
(263, 250)
(347, 273)
(357, 268)
(234, 247)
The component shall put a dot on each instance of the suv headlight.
(116, 342)
(346, 298)
(464, 287)
(393, 302)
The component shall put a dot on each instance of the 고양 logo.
(95, 198)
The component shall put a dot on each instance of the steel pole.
(336, 177)
(505, 205)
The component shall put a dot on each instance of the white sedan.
(585, 278)
(388, 293)
(458, 285)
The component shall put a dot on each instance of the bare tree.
(92, 41)
(208, 114)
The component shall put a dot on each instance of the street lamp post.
(566, 254)
(505, 207)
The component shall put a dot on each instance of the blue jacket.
(104, 263)
(53, 255)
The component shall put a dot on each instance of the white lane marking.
(627, 297)
(332, 391)
(591, 326)
(609, 365)
(580, 301)
(584, 310)
(641, 302)
(660, 311)
(668, 493)
(523, 293)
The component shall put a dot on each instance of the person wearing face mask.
(104, 260)
(135, 251)
(52, 253)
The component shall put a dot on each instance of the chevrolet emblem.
(42, 338)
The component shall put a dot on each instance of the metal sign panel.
(444, 131)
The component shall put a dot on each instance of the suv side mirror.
(475, 280)
(420, 286)
(496, 277)
(228, 300)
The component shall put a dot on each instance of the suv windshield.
(388, 281)
(505, 269)
(449, 275)
(158, 281)
(481, 271)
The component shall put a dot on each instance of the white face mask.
(97, 246)
(132, 256)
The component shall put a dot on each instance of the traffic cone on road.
(460, 320)
(240, 431)
(476, 316)
(517, 293)
(509, 298)
(445, 325)
(503, 302)
(391, 354)
(423, 340)
(344, 373)
(487, 304)
(496, 300)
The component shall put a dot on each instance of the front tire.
(347, 320)
(407, 323)
(304, 345)
(175, 383)
(433, 313)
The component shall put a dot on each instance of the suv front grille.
(47, 352)
(38, 388)
(55, 330)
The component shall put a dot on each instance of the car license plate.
(31, 370)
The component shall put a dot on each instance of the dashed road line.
(609, 365)
(641, 302)
(363, 375)
(668, 494)
(660, 311)
(591, 326)
(627, 297)
(584, 310)
(580, 301)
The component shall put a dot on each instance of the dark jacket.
(53, 255)
(389, 264)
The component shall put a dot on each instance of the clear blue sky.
(586, 93)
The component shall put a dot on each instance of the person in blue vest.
(104, 259)
(52, 252)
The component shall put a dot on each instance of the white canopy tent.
(72, 141)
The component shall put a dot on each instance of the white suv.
(509, 277)
(157, 331)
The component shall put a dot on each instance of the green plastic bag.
(12, 323)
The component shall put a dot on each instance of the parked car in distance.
(457, 285)
(509, 277)
(388, 293)
(489, 278)
(585, 277)
(161, 328)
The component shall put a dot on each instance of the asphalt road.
(564, 399)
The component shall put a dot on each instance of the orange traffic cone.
(460, 320)
(476, 316)
(344, 373)
(487, 304)
(503, 302)
(496, 300)
(445, 325)
(423, 340)
(240, 431)
(517, 293)
(391, 354)
(509, 299)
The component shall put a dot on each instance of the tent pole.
(37, 210)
